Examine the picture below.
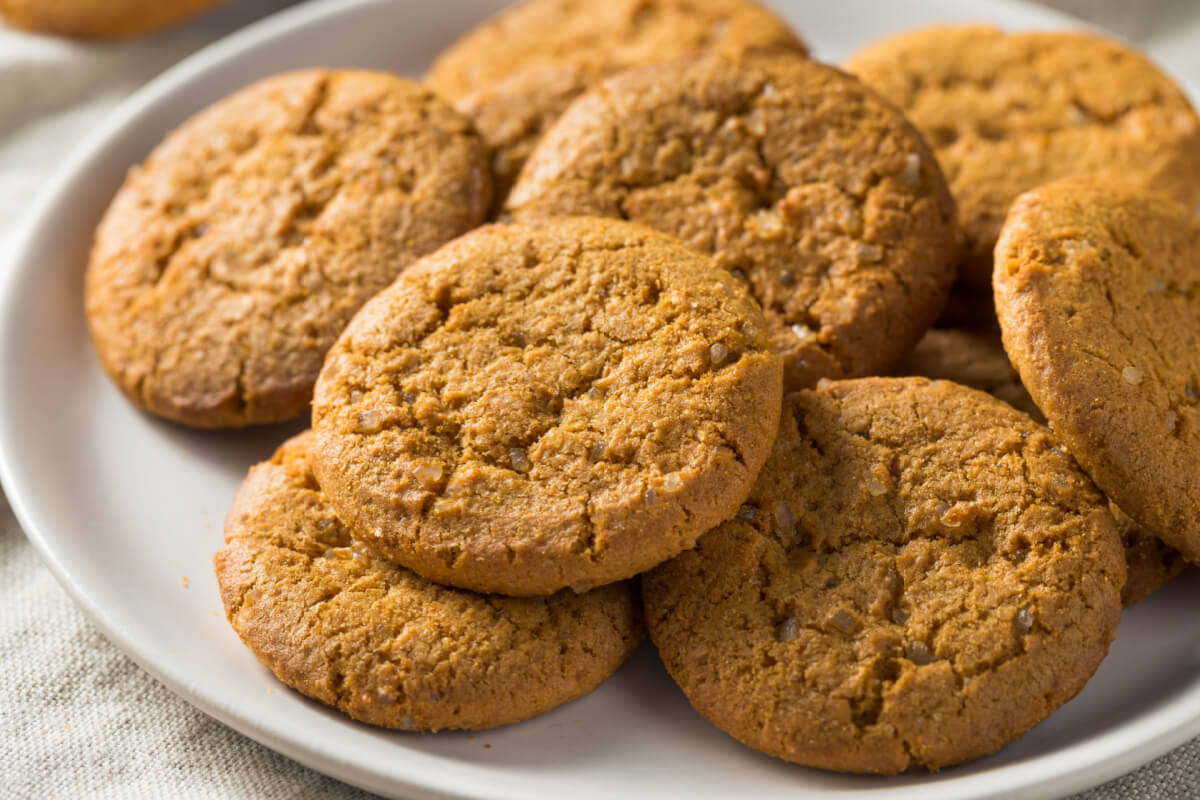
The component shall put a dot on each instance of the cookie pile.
(659, 361)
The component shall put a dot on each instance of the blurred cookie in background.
(100, 19)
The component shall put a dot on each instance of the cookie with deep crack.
(977, 359)
(517, 72)
(1007, 112)
(1098, 292)
(232, 258)
(919, 576)
(386, 646)
(100, 19)
(536, 406)
(814, 192)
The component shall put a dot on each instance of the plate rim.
(1089, 762)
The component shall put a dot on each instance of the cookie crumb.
(843, 621)
(803, 332)
(788, 630)
(428, 474)
(184, 581)
(918, 653)
(369, 421)
(717, 353)
(519, 459)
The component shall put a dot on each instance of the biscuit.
(1150, 563)
(1098, 292)
(819, 196)
(517, 72)
(538, 406)
(977, 359)
(919, 576)
(1006, 113)
(229, 262)
(99, 19)
(387, 647)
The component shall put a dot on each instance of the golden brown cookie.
(539, 406)
(100, 19)
(919, 576)
(1098, 292)
(798, 179)
(229, 262)
(1006, 113)
(386, 646)
(977, 359)
(517, 72)
(1150, 563)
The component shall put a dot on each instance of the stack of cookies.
(658, 361)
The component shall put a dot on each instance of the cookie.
(919, 576)
(230, 261)
(517, 72)
(99, 19)
(1006, 113)
(1097, 293)
(972, 358)
(1150, 563)
(538, 406)
(386, 646)
(977, 359)
(798, 179)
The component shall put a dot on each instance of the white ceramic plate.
(123, 507)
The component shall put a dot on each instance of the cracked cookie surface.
(516, 73)
(564, 403)
(795, 177)
(977, 359)
(1006, 113)
(919, 576)
(1098, 293)
(386, 646)
(232, 258)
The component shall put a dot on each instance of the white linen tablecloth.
(80, 720)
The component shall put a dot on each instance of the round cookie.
(229, 262)
(1096, 290)
(1006, 113)
(977, 359)
(99, 19)
(539, 406)
(516, 73)
(798, 179)
(386, 646)
(919, 576)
